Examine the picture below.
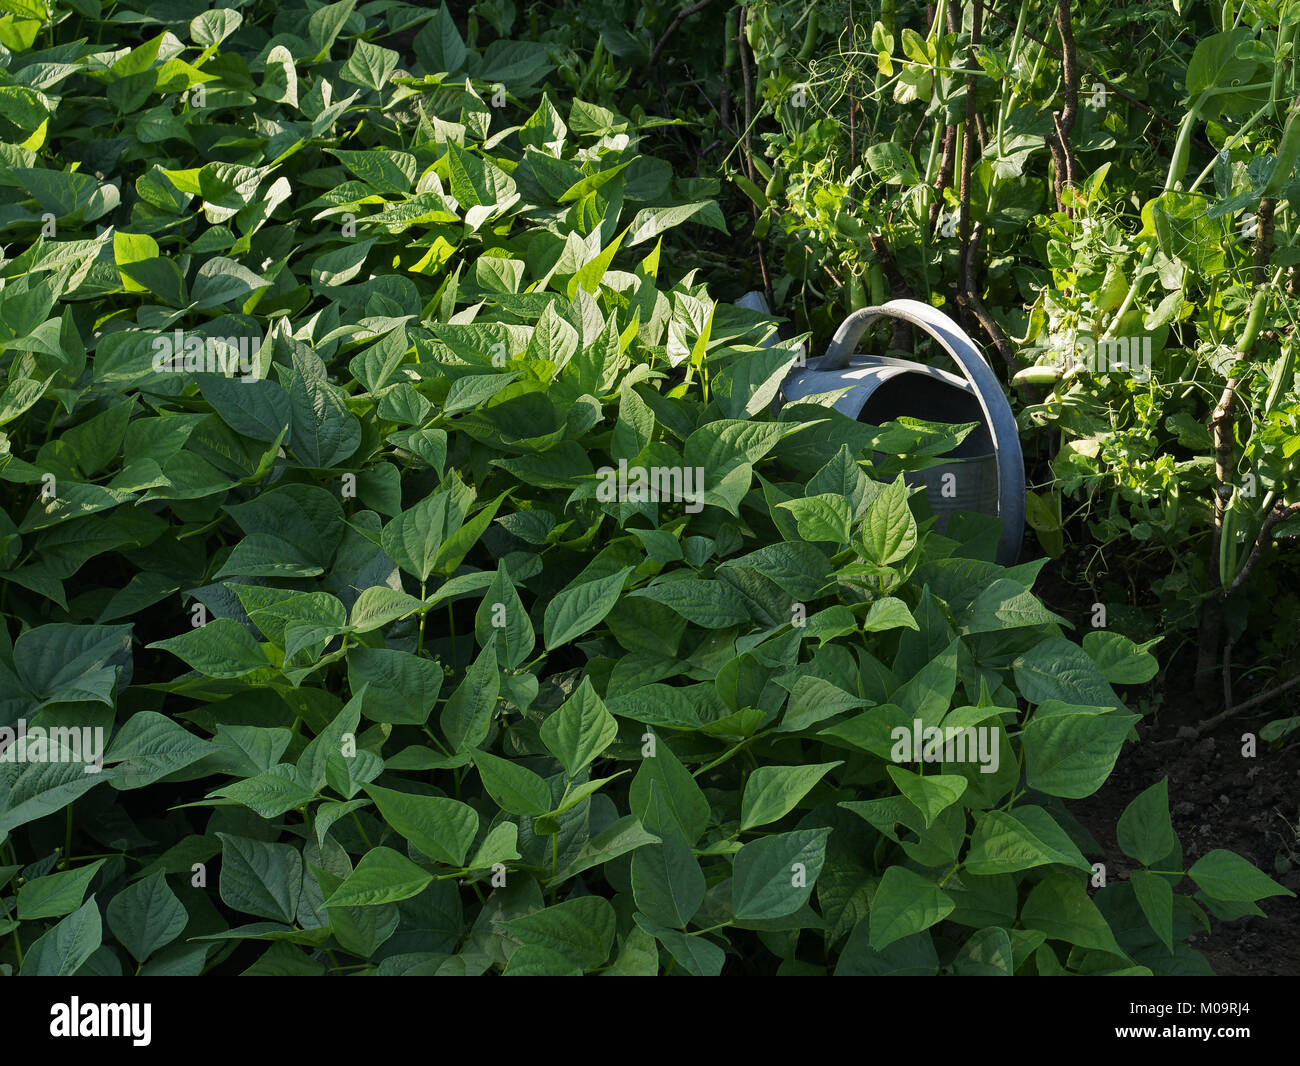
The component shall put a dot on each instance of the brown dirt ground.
(1217, 798)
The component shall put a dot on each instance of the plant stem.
(361, 829)
(419, 642)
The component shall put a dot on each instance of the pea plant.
(1125, 241)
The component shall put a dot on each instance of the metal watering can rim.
(984, 383)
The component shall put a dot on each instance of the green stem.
(419, 642)
(361, 829)
(1004, 106)
(728, 754)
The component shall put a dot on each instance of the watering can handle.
(988, 391)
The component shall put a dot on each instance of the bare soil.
(1218, 797)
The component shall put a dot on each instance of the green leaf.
(477, 182)
(471, 392)
(514, 788)
(441, 828)
(888, 532)
(149, 746)
(824, 517)
(1120, 661)
(580, 730)
(459, 541)
(280, 789)
(256, 408)
(400, 688)
(894, 164)
(1144, 831)
(638, 958)
(1059, 906)
(626, 834)
(774, 875)
(439, 45)
(222, 648)
(577, 793)
(1006, 604)
(330, 740)
(502, 613)
(1155, 895)
(414, 537)
(1056, 669)
(932, 794)
(220, 280)
(772, 792)
(988, 953)
(501, 845)
(341, 265)
(382, 876)
(63, 950)
(468, 714)
(905, 903)
(213, 27)
(667, 882)
(928, 694)
(370, 66)
(1071, 755)
(697, 955)
(711, 604)
(323, 431)
(325, 24)
(576, 608)
(533, 960)
(889, 613)
(1225, 875)
(1218, 60)
(687, 806)
(36, 789)
(386, 172)
(1010, 841)
(379, 605)
(55, 894)
(579, 930)
(261, 879)
(146, 916)
(62, 663)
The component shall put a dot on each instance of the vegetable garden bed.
(405, 573)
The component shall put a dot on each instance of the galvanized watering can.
(988, 471)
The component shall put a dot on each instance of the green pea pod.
(809, 37)
(1253, 322)
(1228, 17)
(1288, 154)
(1280, 377)
(752, 191)
(732, 30)
(763, 224)
(1228, 547)
(876, 275)
(855, 295)
(1038, 375)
